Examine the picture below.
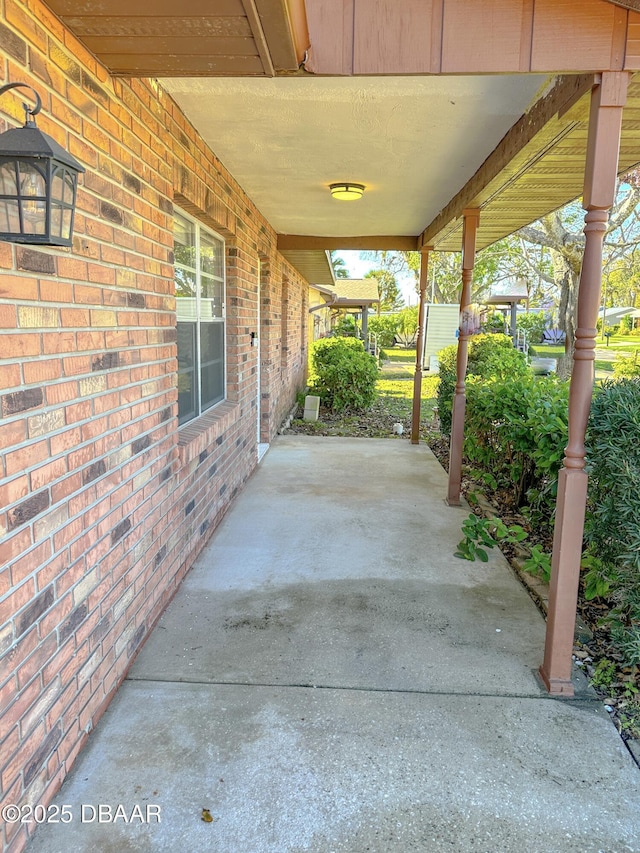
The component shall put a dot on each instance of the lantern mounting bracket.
(29, 111)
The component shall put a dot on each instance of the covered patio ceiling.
(412, 141)
(426, 148)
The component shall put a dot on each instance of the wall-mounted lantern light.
(38, 183)
(347, 191)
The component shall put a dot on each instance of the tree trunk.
(566, 274)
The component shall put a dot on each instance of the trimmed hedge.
(343, 374)
(490, 356)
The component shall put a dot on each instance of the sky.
(358, 268)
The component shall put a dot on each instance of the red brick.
(78, 412)
(74, 366)
(24, 754)
(95, 136)
(19, 345)
(74, 317)
(37, 372)
(18, 599)
(20, 460)
(11, 547)
(44, 651)
(6, 256)
(46, 474)
(12, 433)
(65, 440)
(55, 291)
(70, 484)
(87, 295)
(110, 255)
(21, 704)
(57, 342)
(69, 118)
(90, 340)
(14, 490)
(8, 319)
(56, 569)
(56, 615)
(72, 268)
(85, 153)
(25, 566)
(9, 375)
(62, 392)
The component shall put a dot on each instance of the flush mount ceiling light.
(38, 183)
(347, 191)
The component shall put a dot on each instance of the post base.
(557, 686)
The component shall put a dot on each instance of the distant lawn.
(620, 343)
(395, 385)
(548, 350)
(400, 354)
(617, 343)
(397, 396)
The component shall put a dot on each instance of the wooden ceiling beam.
(277, 28)
(259, 37)
(288, 242)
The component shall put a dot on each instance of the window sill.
(198, 434)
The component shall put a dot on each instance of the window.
(199, 275)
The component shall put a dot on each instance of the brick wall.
(104, 502)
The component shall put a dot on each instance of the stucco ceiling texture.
(413, 142)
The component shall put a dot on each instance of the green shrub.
(343, 374)
(626, 366)
(491, 356)
(612, 527)
(495, 323)
(516, 430)
(407, 328)
(385, 327)
(533, 325)
(345, 327)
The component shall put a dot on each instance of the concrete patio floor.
(330, 678)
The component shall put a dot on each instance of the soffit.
(542, 176)
(196, 37)
(314, 266)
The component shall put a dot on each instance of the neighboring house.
(613, 316)
(319, 311)
(355, 296)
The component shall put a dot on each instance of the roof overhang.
(193, 38)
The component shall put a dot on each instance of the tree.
(390, 296)
(445, 270)
(622, 281)
(561, 233)
(339, 266)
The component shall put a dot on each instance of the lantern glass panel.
(8, 184)
(33, 194)
(9, 216)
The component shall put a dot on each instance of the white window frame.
(198, 409)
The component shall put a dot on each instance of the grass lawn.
(400, 354)
(395, 384)
(618, 345)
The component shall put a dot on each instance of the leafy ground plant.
(482, 533)
(538, 563)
